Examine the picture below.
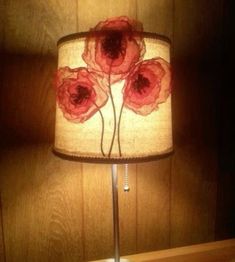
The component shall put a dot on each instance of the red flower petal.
(148, 85)
(79, 93)
(64, 73)
(114, 46)
(120, 23)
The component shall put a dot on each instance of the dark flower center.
(83, 93)
(140, 84)
(112, 44)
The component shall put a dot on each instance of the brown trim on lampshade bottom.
(100, 33)
(106, 160)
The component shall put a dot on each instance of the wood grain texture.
(219, 251)
(2, 18)
(103, 10)
(54, 210)
(34, 27)
(197, 30)
(2, 240)
(157, 16)
(153, 179)
(225, 215)
(32, 30)
(27, 101)
(2, 23)
(153, 197)
(97, 197)
(2, 29)
(128, 210)
(194, 167)
(195, 163)
(42, 205)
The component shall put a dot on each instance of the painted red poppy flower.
(114, 46)
(148, 85)
(79, 94)
(62, 74)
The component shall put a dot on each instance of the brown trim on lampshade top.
(97, 33)
(106, 160)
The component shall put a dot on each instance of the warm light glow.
(140, 136)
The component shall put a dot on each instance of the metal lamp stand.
(115, 217)
(115, 213)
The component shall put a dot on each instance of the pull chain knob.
(126, 180)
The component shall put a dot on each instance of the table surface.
(219, 251)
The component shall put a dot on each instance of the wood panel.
(2, 18)
(32, 30)
(2, 24)
(197, 30)
(128, 210)
(102, 11)
(195, 168)
(42, 205)
(97, 198)
(44, 218)
(2, 240)
(27, 102)
(225, 215)
(153, 179)
(219, 251)
(34, 27)
(98, 217)
(56, 210)
(157, 16)
(153, 205)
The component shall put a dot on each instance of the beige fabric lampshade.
(140, 129)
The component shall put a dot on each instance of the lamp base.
(112, 260)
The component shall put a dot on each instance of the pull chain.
(126, 180)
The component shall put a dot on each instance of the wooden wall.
(225, 226)
(56, 210)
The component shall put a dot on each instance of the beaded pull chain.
(126, 180)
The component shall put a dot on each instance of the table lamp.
(113, 92)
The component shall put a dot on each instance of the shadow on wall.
(27, 100)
